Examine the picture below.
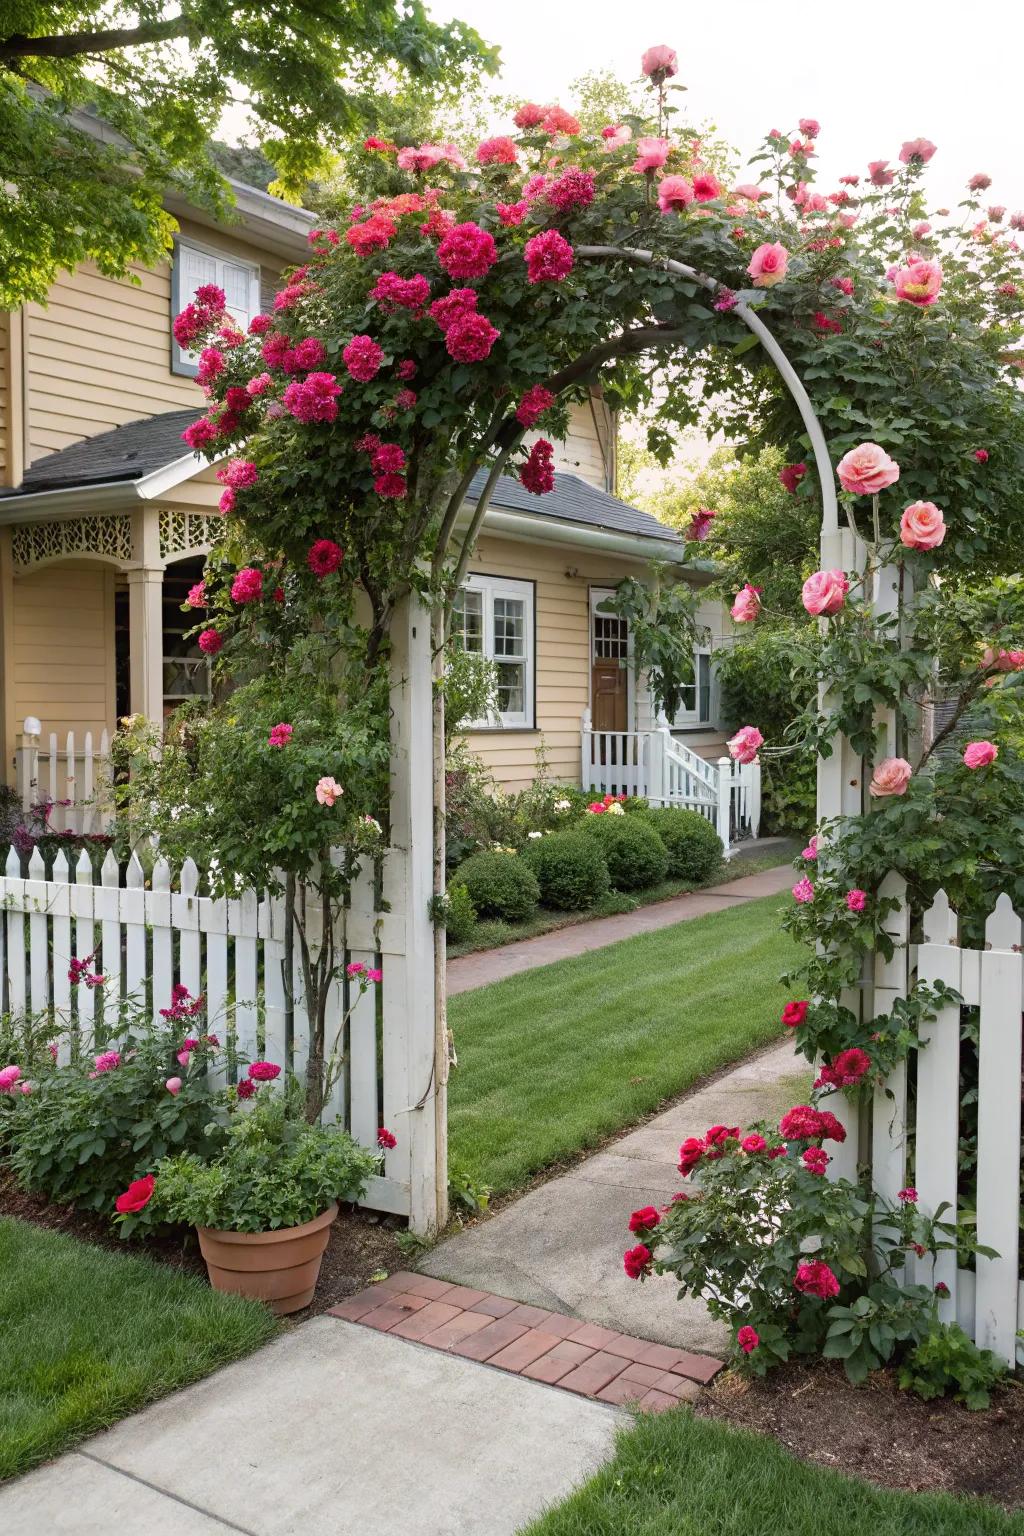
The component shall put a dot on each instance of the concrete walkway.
(332, 1430)
(561, 1246)
(470, 971)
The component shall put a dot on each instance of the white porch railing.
(62, 783)
(654, 765)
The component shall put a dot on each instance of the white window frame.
(491, 587)
(183, 362)
(691, 718)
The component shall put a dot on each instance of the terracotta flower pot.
(280, 1268)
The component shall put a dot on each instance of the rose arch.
(460, 305)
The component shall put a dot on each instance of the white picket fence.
(148, 934)
(987, 1301)
(67, 776)
(654, 765)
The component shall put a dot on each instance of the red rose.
(690, 1154)
(643, 1220)
(264, 1071)
(386, 1138)
(794, 1014)
(816, 1279)
(138, 1194)
(245, 1089)
(637, 1261)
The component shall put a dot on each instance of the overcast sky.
(872, 73)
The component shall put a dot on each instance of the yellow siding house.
(106, 519)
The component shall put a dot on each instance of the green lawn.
(675, 1475)
(88, 1336)
(557, 1059)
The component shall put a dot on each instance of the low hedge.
(632, 849)
(499, 885)
(693, 846)
(460, 913)
(571, 870)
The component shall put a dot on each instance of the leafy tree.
(125, 98)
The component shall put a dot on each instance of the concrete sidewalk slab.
(332, 1430)
(561, 1245)
(479, 970)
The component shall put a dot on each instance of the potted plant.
(262, 1204)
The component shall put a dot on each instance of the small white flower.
(562, 805)
(534, 834)
(614, 809)
(373, 824)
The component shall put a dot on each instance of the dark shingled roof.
(576, 501)
(141, 447)
(125, 453)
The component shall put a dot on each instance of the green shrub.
(694, 847)
(633, 851)
(273, 1169)
(570, 869)
(459, 913)
(946, 1361)
(499, 885)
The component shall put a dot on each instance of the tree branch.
(76, 44)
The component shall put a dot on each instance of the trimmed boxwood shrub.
(499, 885)
(633, 851)
(570, 868)
(694, 847)
(460, 913)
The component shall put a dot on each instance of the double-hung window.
(695, 708)
(494, 619)
(194, 265)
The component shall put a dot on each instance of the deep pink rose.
(856, 900)
(637, 1261)
(748, 1339)
(922, 526)
(743, 747)
(815, 1160)
(825, 592)
(644, 1219)
(794, 1014)
(768, 265)
(816, 1279)
(866, 470)
(746, 604)
(753, 1143)
(891, 777)
(803, 891)
(978, 754)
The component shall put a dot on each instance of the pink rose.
(979, 754)
(616, 134)
(825, 592)
(173, 1086)
(856, 900)
(651, 154)
(891, 777)
(744, 745)
(866, 470)
(922, 526)
(803, 891)
(750, 191)
(920, 230)
(674, 193)
(768, 265)
(8, 1077)
(328, 790)
(748, 1338)
(746, 605)
(660, 63)
(920, 150)
(918, 283)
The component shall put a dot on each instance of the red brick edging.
(530, 1341)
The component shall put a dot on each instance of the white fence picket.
(14, 888)
(60, 909)
(938, 1087)
(889, 1110)
(133, 906)
(158, 917)
(999, 1063)
(35, 900)
(243, 925)
(82, 899)
(107, 897)
(185, 918)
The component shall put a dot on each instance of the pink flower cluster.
(467, 251)
(804, 1123)
(815, 1278)
(573, 189)
(247, 586)
(324, 557)
(538, 473)
(280, 735)
(549, 257)
(393, 292)
(499, 151)
(846, 1069)
(314, 399)
(532, 406)
(363, 357)
(205, 311)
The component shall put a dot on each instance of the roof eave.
(104, 496)
(547, 529)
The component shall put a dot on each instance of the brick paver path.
(530, 1341)
(470, 971)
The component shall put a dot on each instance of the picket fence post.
(939, 959)
(889, 1107)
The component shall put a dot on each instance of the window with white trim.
(194, 266)
(695, 708)
(493, 618)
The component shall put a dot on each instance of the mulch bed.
(361, 1245)
(879, 1433)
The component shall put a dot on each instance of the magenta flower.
(803, 891)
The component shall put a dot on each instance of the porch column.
(146, 638)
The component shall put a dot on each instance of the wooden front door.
(609, 672)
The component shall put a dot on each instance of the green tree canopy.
(106, 108)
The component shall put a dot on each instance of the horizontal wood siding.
(5, 391)
(63, 648)
(587, 450)
(99, 354)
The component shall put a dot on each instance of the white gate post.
(724, 813)
(26, 758)
(415, 1046)
(586, 749)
